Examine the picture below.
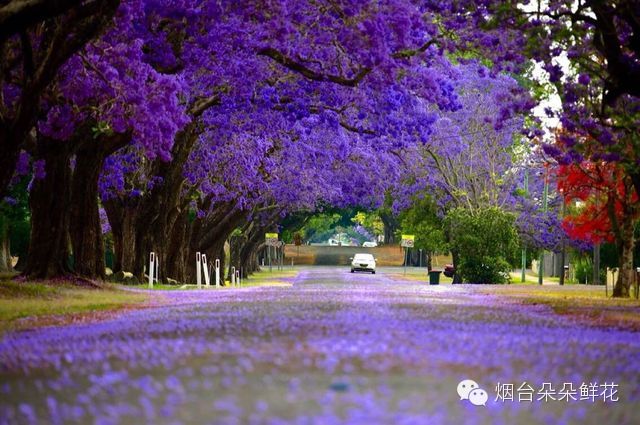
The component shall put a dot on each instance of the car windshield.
(363, 257)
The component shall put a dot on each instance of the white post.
(238, 277)
(157, 271)
(205, 269)
(233, 276)
(152, 267)
(217, 273)
(198, 270)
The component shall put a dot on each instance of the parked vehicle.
(369, 244)
(363, 263)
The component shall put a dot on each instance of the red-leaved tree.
(608, 210)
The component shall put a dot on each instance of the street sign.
(271, 239)
(407, 241)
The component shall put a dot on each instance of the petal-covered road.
(333, 348)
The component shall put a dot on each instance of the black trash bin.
(434, 277)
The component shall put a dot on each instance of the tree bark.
(635, 179)
(49, 203)
(176, 258)
(390, 224)
(456, 258)
(68, 36)
(122, 217)
(236, 243)
(85, 228)
(626, 272)
(5, 251)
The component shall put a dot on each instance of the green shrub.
(483, 240)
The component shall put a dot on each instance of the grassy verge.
(273, 278)
(583, 302)
(261, 278)
(417, 274)
(29, 304)
(530, 279)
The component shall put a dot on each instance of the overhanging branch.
(291, 64)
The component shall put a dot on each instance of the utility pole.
(562, 247)
(524, 247)
(406, 250)
(545, 193)
(596, 257)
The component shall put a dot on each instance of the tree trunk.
(85, 228)
(68, 36)
(5, 252)
(456, 259)
(238, 244)
(10, 149)
(635, 179)
(390, 224)
(249, 260)
(176, 258)
(122, 218)
(49, 202)
(626, 272)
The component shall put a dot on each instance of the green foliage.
(321, 227)
(485, 241)
(370, 221)
(583, 271)
(16, 217)
(101, 128)
(422, 221)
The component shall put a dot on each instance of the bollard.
(205, 269)
(238, 277)
(157, 275)
(233, 276)
(152, 267)
(217, 273)
(198, 270)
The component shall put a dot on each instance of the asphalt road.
(334, 347)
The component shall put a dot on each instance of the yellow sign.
(407, 241)
(271, 236)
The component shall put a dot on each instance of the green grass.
(267, 278)
(261, 278)
(529, 279)
(418, 274)
(45, 303)
(585, 302)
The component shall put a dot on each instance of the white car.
(369, 244)
(363, 263)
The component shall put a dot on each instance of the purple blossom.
(22, 166)
(369, 349)
(39, 171)
(10, 201)
(584, 79)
